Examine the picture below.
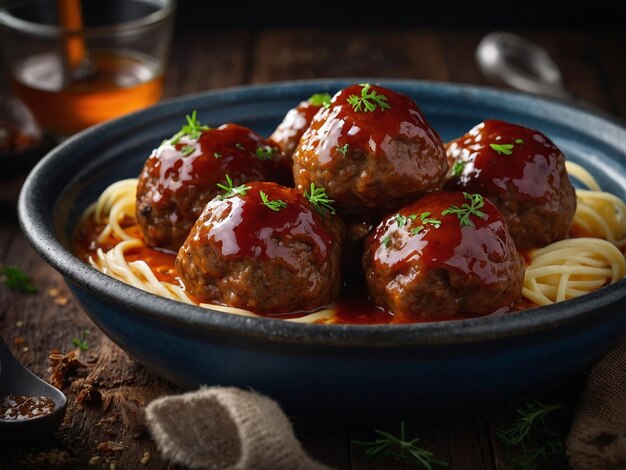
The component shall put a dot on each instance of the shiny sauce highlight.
(497, 155)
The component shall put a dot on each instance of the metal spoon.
(15, 379)
(519, 63)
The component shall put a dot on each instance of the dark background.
(598, 14)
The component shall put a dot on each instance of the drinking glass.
(77, 63)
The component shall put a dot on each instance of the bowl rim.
(197, 320)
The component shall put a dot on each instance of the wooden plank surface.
(33, 324)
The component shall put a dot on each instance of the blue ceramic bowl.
(329, 370)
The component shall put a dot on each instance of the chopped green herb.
(400, 448)
(231, 190)
(400, 220)
(504, 149)
(192, 129)
(14, 278)
(343, 149)
(385, 241)
(464, 212)
(187, 150)
(425, 219)
(265, 152)
(217, 155)
(275, 205)
(320, 200)
(320, 99)
(368, 100)
(458, 167)
(239, 146)
(81, 342)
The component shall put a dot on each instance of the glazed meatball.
(263, 247)
(290, 130)
(372, 150)
(522, 172)
(182, 174)
(448, 254)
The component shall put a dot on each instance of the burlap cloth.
(225, 428)
(597, 436)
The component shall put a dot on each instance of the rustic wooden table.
(593, 66)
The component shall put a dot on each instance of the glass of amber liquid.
(76, 63)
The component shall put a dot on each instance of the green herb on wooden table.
(535, 439)
(400, 448)
(16, 279)
(81, 343)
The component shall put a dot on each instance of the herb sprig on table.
(81, 343)
(400, 448)
(534, 440)
(14, 278)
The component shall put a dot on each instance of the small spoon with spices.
(30, 408)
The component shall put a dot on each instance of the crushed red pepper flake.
(89, 395)
(63, 366)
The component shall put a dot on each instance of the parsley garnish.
(458, 168)
(81, 342)
(385, 241)
(232, 190)
(217, 155)
(400, 220)
(15, 278)
(464, 212)
(424, 219)
(320, 99)
(505, 149)
(192, 129)
(187, 150)
(239, 146)
(343, 149)
(275, 205)
(388, 445)
(264, 152)
(319, 200)
(368, 100)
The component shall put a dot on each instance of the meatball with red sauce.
(263, 247)
(447, 255)
(372, 150)
(296, 121)
(182, 174)
(522, 172)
